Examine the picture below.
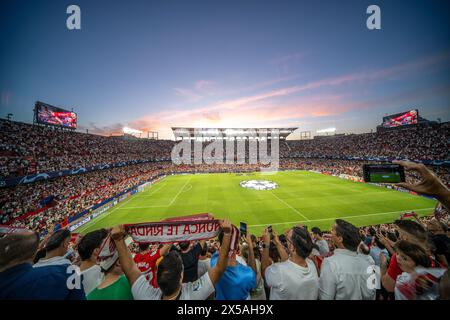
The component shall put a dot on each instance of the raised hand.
(430, 184)
(118, 232)
(226, 226)
(266, 237)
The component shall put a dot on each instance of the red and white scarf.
(187, 228)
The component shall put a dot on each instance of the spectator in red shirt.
(410, 231)
(146, 260)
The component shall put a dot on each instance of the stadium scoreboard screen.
(51, 115)
(401, 119)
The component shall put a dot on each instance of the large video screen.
(47, 114)
(401, 119)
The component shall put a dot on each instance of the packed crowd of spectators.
(70, 195)
(351, 168)
(29, 149)
(404, 260)
(428, 142)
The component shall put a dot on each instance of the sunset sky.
(150, 65)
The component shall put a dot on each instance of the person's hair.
(372, 231)
(18, 247)
(413, 228)
(349, 233)
(392, 236)
(396, 234)
(302, 242)
(253, 238)
(413, 251)
(184, 245)
(143, 246)
(39, 255)
(56, 239)
(244, 251)
(169, 273)
(442, 226)
(273, 253)
(90, 242)
(317, 231)
(379, 243)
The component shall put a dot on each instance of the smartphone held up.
(383, 173)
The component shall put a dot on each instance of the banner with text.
(187, 228)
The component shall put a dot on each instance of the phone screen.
(243, 229)
(383, 173)
(269, 228)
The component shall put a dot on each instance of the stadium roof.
(184, 132)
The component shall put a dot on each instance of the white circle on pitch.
(259, 184)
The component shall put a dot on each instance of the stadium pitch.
(300, 197)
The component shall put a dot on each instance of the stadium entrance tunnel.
(259, 184)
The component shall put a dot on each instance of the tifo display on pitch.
(301, 197)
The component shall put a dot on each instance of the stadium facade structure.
(208, 134)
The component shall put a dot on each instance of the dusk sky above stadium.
(150, 65)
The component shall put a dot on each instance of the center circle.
(259, 184)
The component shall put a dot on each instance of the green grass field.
(301, 197)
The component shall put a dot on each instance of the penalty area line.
(291, 207)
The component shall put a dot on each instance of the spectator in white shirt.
(170, 272)
(345, 274)
(321, 243)
(295, 278)
(88, 249)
